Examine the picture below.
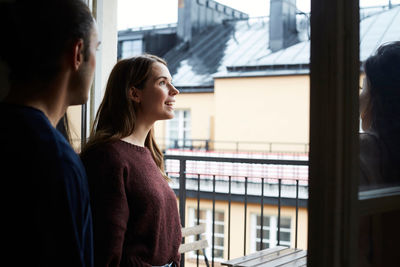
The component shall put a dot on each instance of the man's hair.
(38, 33)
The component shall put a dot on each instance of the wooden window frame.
(334, 201)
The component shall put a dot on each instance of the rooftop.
(240, 48)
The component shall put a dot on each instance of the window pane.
(218, 253)
(379, 128)
(285, 222)
(206, 218)
(173, 135)
(131, 48)
(265, 245)
(219, 241)
(272, 223)
(219, 216)
(219, 228)
(202, 214)
(180, 128)
(379, 100)
(173, 123)
(285, 236)
(265, 222)
(265, 234)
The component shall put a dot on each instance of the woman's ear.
(135, 95)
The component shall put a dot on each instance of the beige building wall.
(237, 224)
(262, 109)
(74, 118)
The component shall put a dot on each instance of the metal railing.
(276, 190)
(237, 146)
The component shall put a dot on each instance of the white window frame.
(131, 48)
(184, 132)
(273, 230)
(208, 232)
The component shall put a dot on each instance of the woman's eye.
(162, 83)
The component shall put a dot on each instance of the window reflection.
(380, 116)
(379, 94)
(379, 133)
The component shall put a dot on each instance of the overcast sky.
(135, 13)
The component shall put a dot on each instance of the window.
(179, 130)
(131, 48)
(206, 217)
(334, 202)
(379, 172)
(269, 232)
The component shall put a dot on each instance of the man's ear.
(135, 94)
(78, 53)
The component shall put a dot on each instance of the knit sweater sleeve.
(105, 173)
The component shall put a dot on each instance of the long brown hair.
(127, 73)
(383, 72)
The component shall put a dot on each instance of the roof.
(379, 29)
(210, 52)
(240, 48)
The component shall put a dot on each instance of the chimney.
(184, 15)
(194, 16)
(282, 24)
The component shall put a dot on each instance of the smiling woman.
(136, 220)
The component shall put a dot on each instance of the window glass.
(206, 217)
(179, 130)
(379, 131)
(270, 232)
(131, 48)
(379, 95)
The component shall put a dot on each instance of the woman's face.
(157, 98)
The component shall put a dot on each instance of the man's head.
(41, 34)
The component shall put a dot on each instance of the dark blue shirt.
(45, 203)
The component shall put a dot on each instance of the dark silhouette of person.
(49, 48)
(379, 152)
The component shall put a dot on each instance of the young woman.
(135, 214)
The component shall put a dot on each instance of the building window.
(179, 130)
(131, 48)
(269, 232)
(206, 217)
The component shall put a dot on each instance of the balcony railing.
(278, 183)
(236, 146)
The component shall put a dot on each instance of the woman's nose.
(173, 90)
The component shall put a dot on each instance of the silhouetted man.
(49, 47)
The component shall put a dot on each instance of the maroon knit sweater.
(135, 214)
